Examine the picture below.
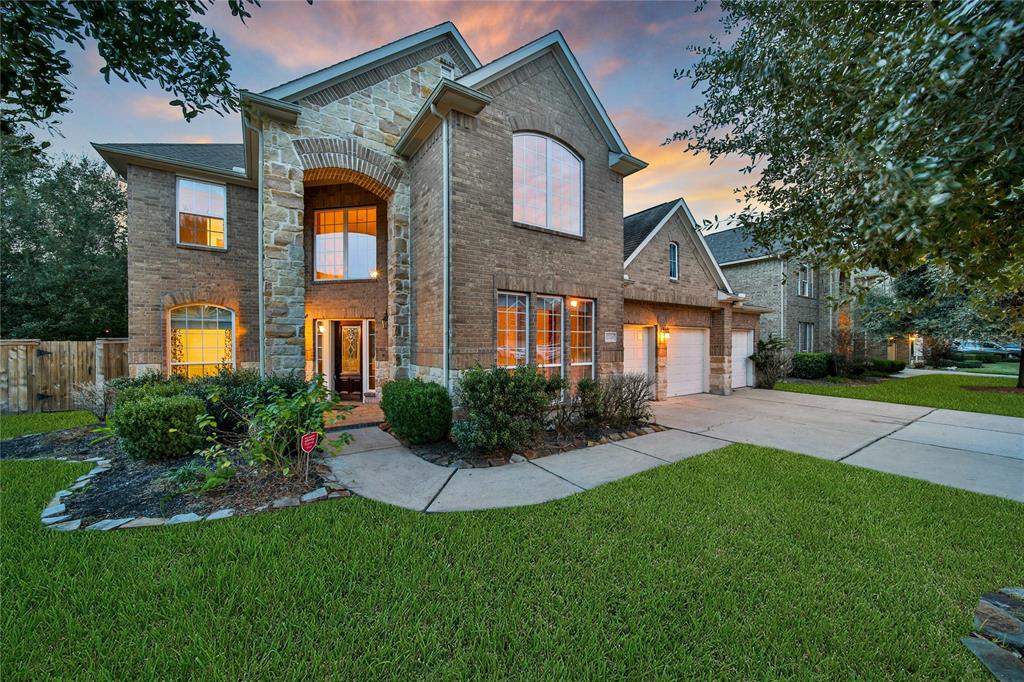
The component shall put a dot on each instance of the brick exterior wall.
(163, 275)
(490, 253)
(426, 261)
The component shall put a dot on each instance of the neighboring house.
(411, 212)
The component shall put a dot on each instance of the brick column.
(721, 351)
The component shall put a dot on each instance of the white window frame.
(526, 351)
(805, 333)
(548, 141)
(673, 261)
(234, 336)
(593, 335)
(177, 213)
(805, 281)
(345, 278)
(561, 335)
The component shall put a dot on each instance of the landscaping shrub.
(888, 366)
(134, 393)
(970, 364)
(145, 379)
(935, 351)
(626, 400)
(418, 411)
(810, 365)
(589, 398)
(505, 409)
(155, 427)
(232, 393)
(839, 365)
(772, 361)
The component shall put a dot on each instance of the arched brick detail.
(198, 296)
(343, 175)
(321, 154)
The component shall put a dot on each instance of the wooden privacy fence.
(37, 376)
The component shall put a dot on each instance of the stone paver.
(591, 467)
(504, 486)
(145, 522)
(393, 475)
(221, 514)
(109, 524)
(183, 518)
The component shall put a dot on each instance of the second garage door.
(687, 362)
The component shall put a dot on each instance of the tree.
(63, 248)
(155, 41)
(882, 135)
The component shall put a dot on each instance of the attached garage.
(742, 349)
(687, 363)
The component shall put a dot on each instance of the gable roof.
(649, 223)
(213, 159)
(350, 68)
(554, 43)
(736, 244)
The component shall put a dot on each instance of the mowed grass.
(14, 425)
(1007, 368)
(932, 390)
(743, 563)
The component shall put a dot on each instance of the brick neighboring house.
(411, 212)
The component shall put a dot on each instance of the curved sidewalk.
(377, 466)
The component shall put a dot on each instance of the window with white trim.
(345, 243)
(673, 261)
(805, 334)
(513, 316)
(581, 340)
(547, 184)
(548, 337)
(202, 213)
(805, 281)
(201, 340)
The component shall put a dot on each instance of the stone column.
(721, 351)
(399, 314)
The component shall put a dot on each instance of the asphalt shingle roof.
(636, 227)
(736, 244)
(215, 155)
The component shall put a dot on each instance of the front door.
(348, 367)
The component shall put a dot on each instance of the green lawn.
(1008, 368)
(14, 425)
(743, 563)
(931, 390)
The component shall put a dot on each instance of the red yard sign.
(308, 441)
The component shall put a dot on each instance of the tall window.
(202, 208)
(805, 342)
(548, 355)
(547, 183)
(581, 339)
(673, 261)
(345, 243)
(512, 325)
(805, 280)
(202, 340)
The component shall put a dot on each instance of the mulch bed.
(447, 453)
(139, 488)
(995, 389)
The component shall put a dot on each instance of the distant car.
(1013, 349)
(994, 350)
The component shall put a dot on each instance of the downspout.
(782, 298)
(261, 326)
(445, 246)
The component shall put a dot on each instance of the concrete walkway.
(978, 452)
(910, 372)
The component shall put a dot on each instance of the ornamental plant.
(418, 411)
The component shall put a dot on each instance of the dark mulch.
(447, 453)
(71, 443)
(995, 389)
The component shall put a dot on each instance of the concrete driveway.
(978, 452)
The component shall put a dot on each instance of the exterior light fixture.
(320, 327)
(373, 274)
(573, 303)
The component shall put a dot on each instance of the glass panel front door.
(349, 360)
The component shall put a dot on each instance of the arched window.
(201, 339)
(673, 261)
(547, 184)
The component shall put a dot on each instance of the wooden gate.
(37, 376)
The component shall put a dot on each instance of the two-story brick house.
(412, 212)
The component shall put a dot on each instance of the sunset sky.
(628, 50)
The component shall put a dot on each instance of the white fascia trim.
(720, 278)
(364, 62)
(554, 43)
(751, 260)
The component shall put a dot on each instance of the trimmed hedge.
(811, 365)
(155, 427)
(970, 364)
(888, 366)
(418, 411)
(505, 409)
(136, 392)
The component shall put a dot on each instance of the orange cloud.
(196, 139)
(154, 107)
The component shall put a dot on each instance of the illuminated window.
(345, 243)
(202, 340)
(549, 335)
(673, 261)
(547, 183)
(202, 208)
(581, 339)
(371, 355)
(512, 329)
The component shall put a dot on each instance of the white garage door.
(636, 342)
(742, 349)
(687, 369)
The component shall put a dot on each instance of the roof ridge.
(651, 208)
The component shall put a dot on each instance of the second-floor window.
(805, 281)
(547, 184)
(673, 261)
(345, 243)
(202, 209)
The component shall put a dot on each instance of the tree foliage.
(881, 135)
(63, 249)
(157, 41)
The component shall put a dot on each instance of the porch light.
(664, 335)
(320, 327)
(373, 274)
(573, 303)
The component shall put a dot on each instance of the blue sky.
(629, 51)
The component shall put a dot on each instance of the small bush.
(810, 365)
(589, 397)
(95, 399)
(970, 364)
(505, 409)
(134, 393)
(144, 379)
(231, 394)
(627, 400)
(772, 360)
(888, 366)
(418, 411)
(154, 427)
